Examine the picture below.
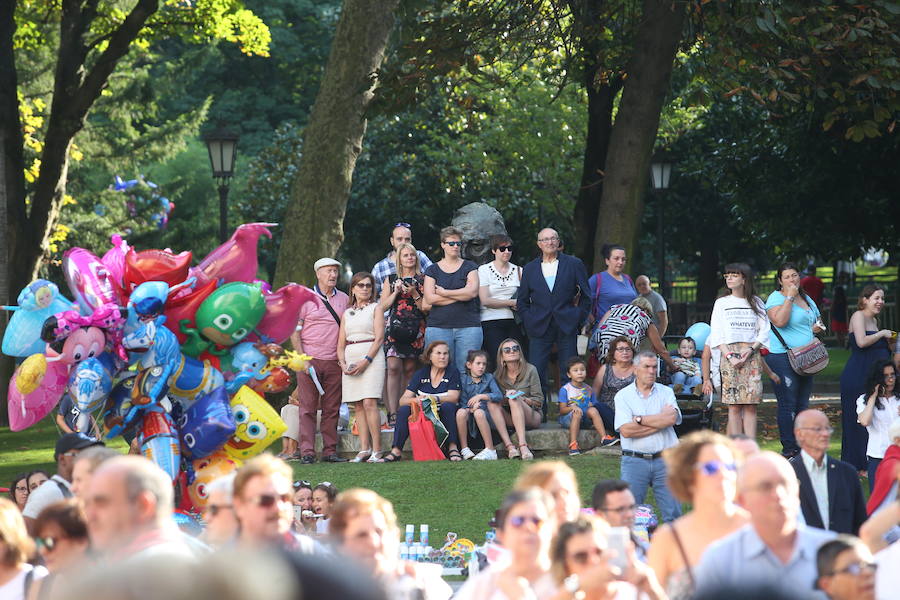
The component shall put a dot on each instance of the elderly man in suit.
(830, 494)
(553, 300)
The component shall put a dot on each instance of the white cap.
(326, 262)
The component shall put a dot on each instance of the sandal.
(392, 458)
(361, 456)
(377, 457)
(454, 455)
(525, 452)
(511, 451)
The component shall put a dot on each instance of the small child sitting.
(577, 407)
(687, 377)
(478, 388)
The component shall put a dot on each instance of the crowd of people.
(475, 344)
(759, 526)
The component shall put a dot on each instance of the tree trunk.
(634, 132)
(12, 179)
(313, 225)
(590, 28)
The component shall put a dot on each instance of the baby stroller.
(696, 409)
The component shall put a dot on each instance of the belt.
(644, 455)
(361, 342)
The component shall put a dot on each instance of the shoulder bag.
(808, 359)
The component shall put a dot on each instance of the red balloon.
(235, 260)
(185, 307)
(282, 312)
(155, 265)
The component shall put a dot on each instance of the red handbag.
(421, 435)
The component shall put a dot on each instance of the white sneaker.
(467, 454)
(487, 454)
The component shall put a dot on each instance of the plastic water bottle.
(423, 534)
(410, 534)
(404, 551)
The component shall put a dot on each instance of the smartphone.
(618, 540)
(409, 281)
(298, 513)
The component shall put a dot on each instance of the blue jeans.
(872, 467)
(447, 414)
(792, 394)
(687, 381)
(459, 339)
(640, 474)
(539, 349)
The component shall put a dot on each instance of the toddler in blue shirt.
(577, 406)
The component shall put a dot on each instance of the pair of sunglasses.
(302, 483)
(269, 500)
(215, 509)
(49, 543)
(713, 467)
(518, 522)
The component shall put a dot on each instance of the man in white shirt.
(830, 494)
(773, 549)
(59, 487)
(646, 413)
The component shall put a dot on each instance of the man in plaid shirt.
(402, 234)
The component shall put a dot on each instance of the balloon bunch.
(159, 205)
(172, 357)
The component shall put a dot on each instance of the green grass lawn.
(837, 358)
(458, 497)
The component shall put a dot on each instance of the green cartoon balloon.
(224, 318)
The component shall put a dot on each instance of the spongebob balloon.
(258, 425)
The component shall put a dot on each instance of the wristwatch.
(789, 298)
(638, 419)
(572, 584)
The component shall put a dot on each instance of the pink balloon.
(235, 260)
(114, 259)
(89, 280)
(264, 286)
(282, 312)
(27, 409)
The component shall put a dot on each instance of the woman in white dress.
(362, 361)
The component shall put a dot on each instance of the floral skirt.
(741, 385)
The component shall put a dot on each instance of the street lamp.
(222, 146)
(660, 172)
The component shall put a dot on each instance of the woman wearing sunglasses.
(499, 282)
(582, 569)
(522, 397)
(451, 295)
(16, 575)
(362, 360)
(525, 527)
(62, 540)
(702, 470)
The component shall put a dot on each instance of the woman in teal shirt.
(796, 318)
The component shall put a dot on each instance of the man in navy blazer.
(831, 496)
(553, 300)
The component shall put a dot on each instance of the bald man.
(553, 300)
(831, 496)
(660, 309)
(129, 506)
(773, 549)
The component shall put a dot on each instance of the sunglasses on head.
(518, 521)
(584, 556)
(511, 349)
(215, 509)
(712, 467)
(301, 483)
(453, 243)
(505, 248)
(402, 224)
(269, 500)
(48, 543)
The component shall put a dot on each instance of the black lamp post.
(660, 172)
(222, 146)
